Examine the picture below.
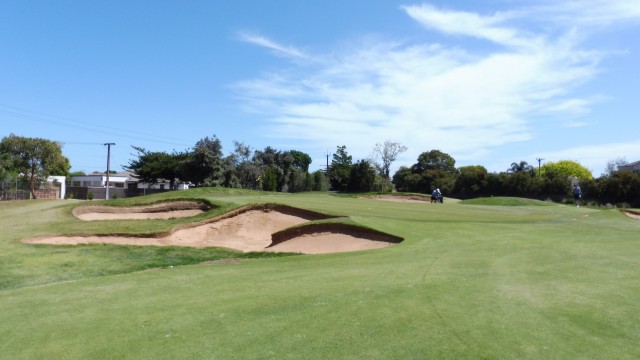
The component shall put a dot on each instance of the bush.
(90, 196)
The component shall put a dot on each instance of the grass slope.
(497, 282)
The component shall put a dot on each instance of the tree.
(434, 160)
(436, 179)
(554, 182)
(204, 164)
(247, 171)
(319, 181)
(361, 177)
(621, 187)
(614, 165)
(150, 167)
(301, 160)
(299, 180)
(402, 179)
(567, 168)
(522, 166)
(5, 166)
(269, 179)
(278, 165)
(34, 159)
(471, 181)
(388, 153)
(340, 170)
(434, 169)
(521, 184)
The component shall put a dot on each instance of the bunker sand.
(402, 199)
(247, 229)
(632, 214)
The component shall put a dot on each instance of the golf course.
(332, 277)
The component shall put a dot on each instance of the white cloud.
(279, 49)
(469, 24)
(428, 96)
(575, 106)
(589, 13)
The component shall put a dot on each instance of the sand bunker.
(327, 242)
(248, 229)
(165, 210)
(403, 199)
(632, 214)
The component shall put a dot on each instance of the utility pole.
(106, 197)
(539, 161)
(327, 170)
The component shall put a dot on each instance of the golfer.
(436, 196)
(577, 194)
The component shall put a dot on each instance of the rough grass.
(468, 282)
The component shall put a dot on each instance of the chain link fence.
(19, 190)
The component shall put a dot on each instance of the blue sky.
(488, 82)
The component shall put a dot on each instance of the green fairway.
(506, 280)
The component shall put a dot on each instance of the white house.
(119, 180)
(163, 185)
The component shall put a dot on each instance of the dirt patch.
(246, 229)
(166, 210)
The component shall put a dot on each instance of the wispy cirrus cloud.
(589, 13)
(466, 23)
(428, 95)
(277, 48)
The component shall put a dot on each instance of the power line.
(45, 118)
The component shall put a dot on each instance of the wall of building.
(100, 193)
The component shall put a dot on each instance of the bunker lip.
(248, 229)
(632, 214)
(163, 210)
(400, 198)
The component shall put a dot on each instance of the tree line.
(206, 165)
(270, 169)
(553, 180)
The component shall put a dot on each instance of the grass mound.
(160, 210)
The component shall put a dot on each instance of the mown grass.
(506, 201)
(468, 282)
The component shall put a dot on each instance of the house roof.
(630, 166)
